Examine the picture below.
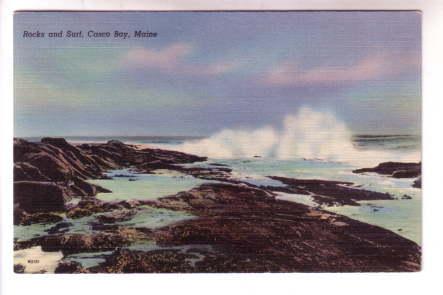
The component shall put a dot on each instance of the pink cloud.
(369, 68)
(172, 59)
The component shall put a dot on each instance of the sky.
(208, 71)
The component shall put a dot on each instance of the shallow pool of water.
(145, 186)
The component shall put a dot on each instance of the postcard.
(217, 141)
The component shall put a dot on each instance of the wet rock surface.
(117, 216)
(394, 169)
(397, 170)
(23, 218)
(70, 267)
(251, 231)
(327, 192)
(49, 173)
(243, 228)
(157, 261)
(78, 243)
(34, 196)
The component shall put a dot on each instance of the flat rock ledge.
(246, 229)
(327, 192)
(238, 227)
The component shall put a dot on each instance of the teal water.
(402, 216)
(145, 186)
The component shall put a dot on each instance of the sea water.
(142, 186)
(402, 216)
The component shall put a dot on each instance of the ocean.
(402, 216)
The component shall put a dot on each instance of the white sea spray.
(308, 134)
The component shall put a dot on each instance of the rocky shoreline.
(396, 170)
(236, 226)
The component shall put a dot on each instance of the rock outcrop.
(397, 170)
(49, 173)
(327, 192)
(70, 243)
(70, 267)
(394, 169)
(237, 227)
(417, 183)
(246, 229)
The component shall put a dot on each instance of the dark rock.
(251, 231)
(209, 173)
(218, 164)
(158, 261)
(129, 204)
(329, 193)
(245, 226)
(83, 188)
(123, 175)
(76, 213)
(56, 141)
(394, 169)
(332, 201)
(91, 206)
(117, 216)
(59, 228)
(23, 218)
(33, 196)
(417, 183)
(70, 267)
(406, 173)
(77, 243)
(19, 268)
(48, 173)
(26, 171)
(98, 226)
(117, 143)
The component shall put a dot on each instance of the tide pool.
(145, 186)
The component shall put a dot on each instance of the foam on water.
(308, 144)
(308, 134)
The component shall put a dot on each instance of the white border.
(422, 282)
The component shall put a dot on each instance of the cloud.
(372, 67)
(172, 59)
